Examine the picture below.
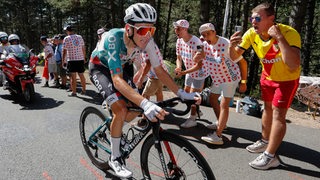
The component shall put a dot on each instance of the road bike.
(164, 155)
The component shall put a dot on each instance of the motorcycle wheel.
(28, 93)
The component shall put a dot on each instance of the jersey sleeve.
(153, 53)
(292, 37)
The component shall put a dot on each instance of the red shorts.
(280, 94)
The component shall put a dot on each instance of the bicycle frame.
(137, 138)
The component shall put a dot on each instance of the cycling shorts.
(280, 94)
(100, 76)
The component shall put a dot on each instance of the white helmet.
(3, 34)
(13, 37)
(140, 13)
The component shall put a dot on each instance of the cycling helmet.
(3, 34)
(140, 13)
(13, 37)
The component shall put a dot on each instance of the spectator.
(50, 58)
(60, 68)
(278, 48)
(153, 85)
(74, 48)
(187, 46)
(225, 75)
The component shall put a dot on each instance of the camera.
(199, 48)
(238, 28)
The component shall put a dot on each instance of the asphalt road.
(41, 141)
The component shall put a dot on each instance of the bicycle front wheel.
(181, 159)
(94, 134)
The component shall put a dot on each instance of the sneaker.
(264, 162)
(257, 147)
(119, 168)
(213, 126)
(72, 94)
(190, 122)
(213, 139)
(83, 92)
(141, 124)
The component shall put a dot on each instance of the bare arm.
(290, 55)
(244, 74)
(145, 69)
(166, 79)
(178, 64)
(196, 67)
(198, 60)
(48, 56)
(84, 53)
(64, 55)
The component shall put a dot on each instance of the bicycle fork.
(156, 135)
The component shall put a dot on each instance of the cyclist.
(117, 48)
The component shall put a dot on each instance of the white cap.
(181, 23)
(100, 31)
(206, 27)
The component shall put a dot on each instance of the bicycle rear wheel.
(181, 158)
(94, 134)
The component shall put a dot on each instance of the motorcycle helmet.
(140, 13)
(3, 36)
(13, 37)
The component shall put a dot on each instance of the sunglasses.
(4, 38)
(257, 19)
(143, 30)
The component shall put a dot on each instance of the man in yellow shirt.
(278, 48)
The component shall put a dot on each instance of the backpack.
(251, 107)
(205, 95)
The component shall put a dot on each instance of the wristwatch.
(243, 81)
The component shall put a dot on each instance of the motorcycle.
(19, 68)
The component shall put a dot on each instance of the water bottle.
(238, 106)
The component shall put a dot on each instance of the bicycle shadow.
(192, 134)
(287, 149)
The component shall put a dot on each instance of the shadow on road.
(39, 102)
(92, 97)
(287, 149)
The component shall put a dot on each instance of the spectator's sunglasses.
(143, 30)
(257, 19)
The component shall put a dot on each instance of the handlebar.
(168, 104)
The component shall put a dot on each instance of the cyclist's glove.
(187, 96)
(150, 109)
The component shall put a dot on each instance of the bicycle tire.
(151, 163)
(91, 118)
